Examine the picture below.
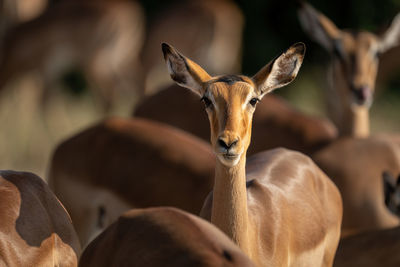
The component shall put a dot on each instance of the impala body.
(121, 164)
(376, 247)
(356, 161)
(162, 237)
(35, 229)
(279, 207)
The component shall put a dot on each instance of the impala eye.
(207, 102)
(377, 54)
(254, 101)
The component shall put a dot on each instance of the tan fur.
(57, 41)
(353, 119)
(162, 237)
(210, 30)
(279, 207)
(35, 229)
(129, 163)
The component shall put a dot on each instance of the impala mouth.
(230, 156)
(229, 159)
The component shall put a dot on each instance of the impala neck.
(356, 123)
(229, 210)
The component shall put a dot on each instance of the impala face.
(230, 100)
(355, 54)
(230, 103)
(356, 59)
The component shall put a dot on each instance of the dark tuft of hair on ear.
(166, 49)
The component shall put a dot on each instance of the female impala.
(156, 237)
(356, 161)
(35, 229)
(283, 211)
(353, 70)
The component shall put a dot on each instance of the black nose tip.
(223, 144)
(362, 93)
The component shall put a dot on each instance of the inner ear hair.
(280, 71)
(391, 37)
(183, 71)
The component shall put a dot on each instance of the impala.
(213, 35)
(282, 211)
(377, 247)
(356, 161)
(275, 122)
(57, 41)
(121, 164)
(35, 229)
(353, 70)
(162, 237)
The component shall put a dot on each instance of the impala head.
(230, 100)
(355, 54)
(391, 188)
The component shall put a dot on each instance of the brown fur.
(289, 213)
(35, 229)
(142, 163)
(356, 167)
(377, 247)
(162, 237)
(370, 249)
(101, 38)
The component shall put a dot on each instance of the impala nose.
(227, 145)
(362, 94)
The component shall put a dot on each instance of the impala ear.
(391, 37)
(318, 27)
(280, 71)
(183, 71)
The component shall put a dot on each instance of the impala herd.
(276, 187)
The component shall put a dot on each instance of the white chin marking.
(228, 162)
